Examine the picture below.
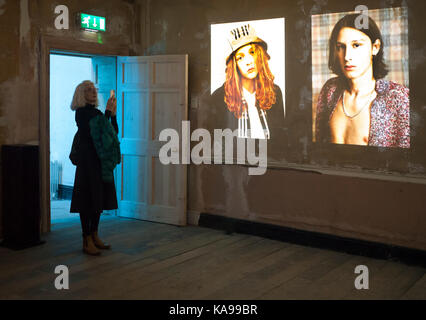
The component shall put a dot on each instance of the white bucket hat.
(241, 36)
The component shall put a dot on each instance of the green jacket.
(106, 144)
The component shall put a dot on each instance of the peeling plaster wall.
(386, 211)
(22, 22)
(364, 207)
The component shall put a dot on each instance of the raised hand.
(112, 105)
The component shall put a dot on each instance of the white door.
(151, 96)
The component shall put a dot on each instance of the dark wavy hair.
(373, 32)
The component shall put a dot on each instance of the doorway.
(154, 87)
(66, 72)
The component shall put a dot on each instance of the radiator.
(55, 178)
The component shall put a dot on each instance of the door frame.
(73, 47)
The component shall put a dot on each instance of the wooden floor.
(158, 261)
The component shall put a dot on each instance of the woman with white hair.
(95, 152)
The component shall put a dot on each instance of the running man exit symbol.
(93, 23)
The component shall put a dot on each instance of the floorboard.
(158, 261)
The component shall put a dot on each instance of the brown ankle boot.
(89, 247)
(98, 242)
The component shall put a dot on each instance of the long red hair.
(265, 94)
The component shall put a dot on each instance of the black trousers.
(89, 221)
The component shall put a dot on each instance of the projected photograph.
(247, 77)
(360, 78)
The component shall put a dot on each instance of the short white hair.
(79, 99)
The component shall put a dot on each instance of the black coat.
(90, 193)
(217, 116)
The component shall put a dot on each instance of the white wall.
(66, 72)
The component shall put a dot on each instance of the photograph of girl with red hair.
(249, 100)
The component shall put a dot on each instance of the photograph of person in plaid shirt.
(359, 106)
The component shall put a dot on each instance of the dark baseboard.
(314, 239)
(65, 192)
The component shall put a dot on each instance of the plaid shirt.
(389, 113)
(393, 24)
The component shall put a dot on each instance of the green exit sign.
(90, 22)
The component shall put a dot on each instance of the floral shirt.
(389, 113)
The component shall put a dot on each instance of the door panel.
(152, 96)
(164, 116)
(135, 118)
(133, 172)
(163, 175)
(104, 77)
(164, 73)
